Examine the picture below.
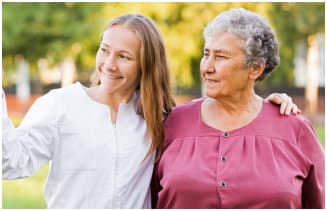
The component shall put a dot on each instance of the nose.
(207, 65)
(110, 63)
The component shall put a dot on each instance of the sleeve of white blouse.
(26, 148)
(313, 190)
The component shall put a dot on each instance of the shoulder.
(272, 112)
(277, 125)
(184, 112)
(181, 110)
(182, 121)
(63, 90)
(67, 93)
(55, 98)
(67, 90)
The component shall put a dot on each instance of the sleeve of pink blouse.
(313, 190)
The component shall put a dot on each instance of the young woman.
(101, 140)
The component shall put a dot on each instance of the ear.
(256, 71)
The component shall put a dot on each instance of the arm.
(285, 102)
(26, 148)
(313, 189)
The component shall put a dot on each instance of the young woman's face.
(223, 65)
(117, 61)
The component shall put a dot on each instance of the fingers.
(283, 107)
(287, 104)
(287, 107)
(295, 109)
(274, 98)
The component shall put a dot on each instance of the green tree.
(293, 22)
(45, 30)
(58, 30)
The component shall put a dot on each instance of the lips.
(211, 82)
(112, 77)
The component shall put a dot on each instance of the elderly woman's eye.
(221, 57)
(103, 50)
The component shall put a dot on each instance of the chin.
(214, 95)
(108, 87)
(210, 94)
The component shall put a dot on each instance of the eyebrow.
(219, 51)
(122, 51)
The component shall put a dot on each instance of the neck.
(237, 104)
(100, 95)
(234, 111)
(111, 99)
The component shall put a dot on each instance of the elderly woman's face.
(223, 66)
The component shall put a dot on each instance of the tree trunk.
(311, 89)
(23, 90)
(68, 72)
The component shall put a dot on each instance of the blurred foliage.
(51, 31)
(293, 22)
(59, 30)
(55, 31)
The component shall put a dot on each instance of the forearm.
(24, 150)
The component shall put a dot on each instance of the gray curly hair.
(261, 46)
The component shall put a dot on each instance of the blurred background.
(51, 45)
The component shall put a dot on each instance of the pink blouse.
(273, 162)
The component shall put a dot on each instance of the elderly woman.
(232, 149)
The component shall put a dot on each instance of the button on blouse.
(223, 158)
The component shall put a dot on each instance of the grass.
(320, 131)
(27, 193)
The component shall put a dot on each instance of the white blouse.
(93, 163)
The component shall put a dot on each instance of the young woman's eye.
(123, 57)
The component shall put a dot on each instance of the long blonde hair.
(156, 100)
